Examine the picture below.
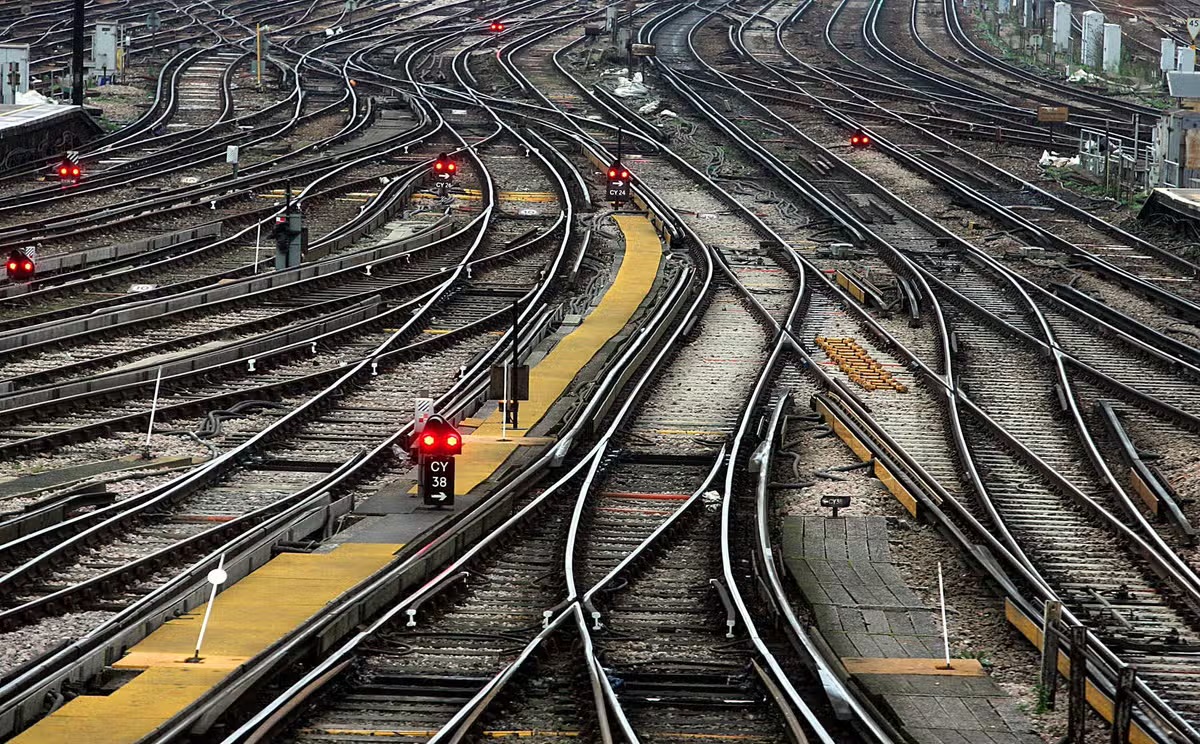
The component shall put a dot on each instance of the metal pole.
(258, 52)
(212, 597)
(516, 363)
(1137, 141)
(153, 410)
(257, 243)
(1107, 156)
(945, 630)
(77, 56)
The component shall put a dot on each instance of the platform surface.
(17, 115)
(247, 618)
(483, 450)
(889, 641)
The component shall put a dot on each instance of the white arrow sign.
(617, 184)
(438, 496)
(1193, 27)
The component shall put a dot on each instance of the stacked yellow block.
(858, 365)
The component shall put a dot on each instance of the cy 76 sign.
(437, 481)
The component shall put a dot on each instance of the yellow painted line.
(26, 107)
(436, 331)
(247, 618)
(936, 667)
(483, 453)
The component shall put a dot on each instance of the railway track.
(1035, 430)
(618, 602)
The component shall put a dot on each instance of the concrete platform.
(33, 131)
(1183, 203)
(889, 641)
(484, 449)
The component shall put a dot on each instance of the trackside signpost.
(436, 442)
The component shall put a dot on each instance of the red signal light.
(20, 267)
(612, 173)
(439, 438)
(624, 174)
(62, 171)
(451, 167)
(439, 166)
(75, 171)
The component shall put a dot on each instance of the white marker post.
(153, 410)
(945, 630)
(216, 577)
(257, 243)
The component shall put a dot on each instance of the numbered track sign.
(437, 481)
(835, 502)
(1193, 27)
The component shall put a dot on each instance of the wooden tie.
(858, 365)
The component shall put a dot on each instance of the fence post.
(1123, 705)
(1077, 705)
(1051, 615)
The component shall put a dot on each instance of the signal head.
(19, 266)
(439, 438)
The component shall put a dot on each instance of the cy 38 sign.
(437, 481)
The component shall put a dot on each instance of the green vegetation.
(1043, 699)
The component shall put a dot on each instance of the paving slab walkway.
(889, 640)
